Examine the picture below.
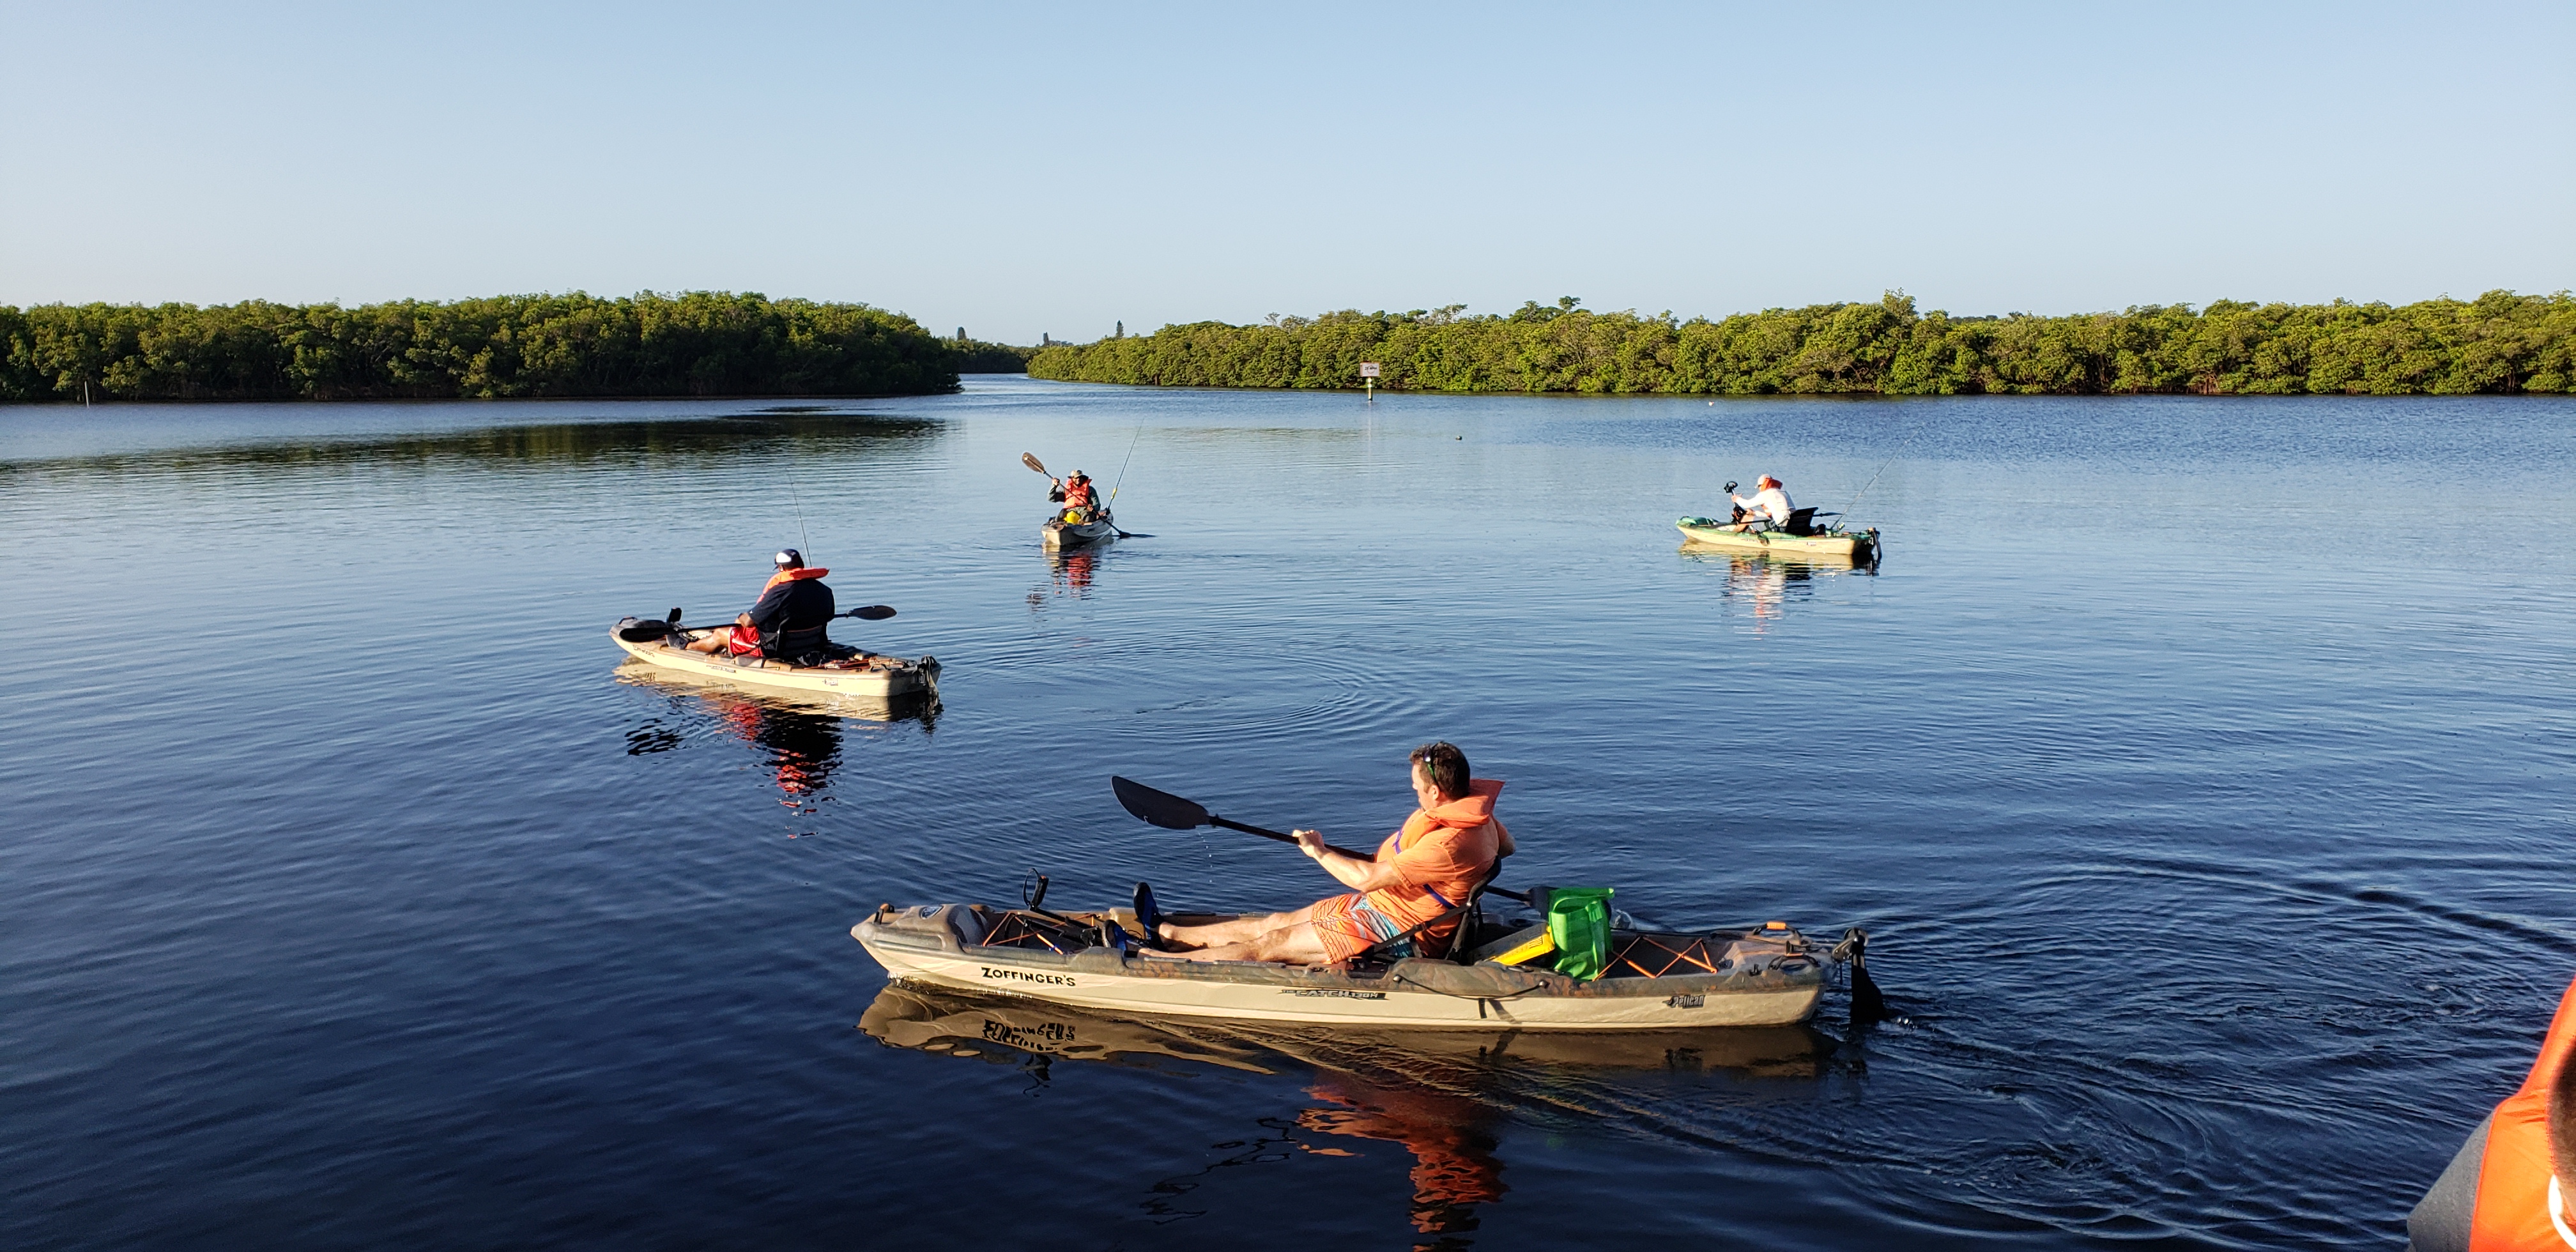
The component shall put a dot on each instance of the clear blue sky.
(1057, 167)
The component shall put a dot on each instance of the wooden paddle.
(1171, 812)
(1031, 460)
(647, 630)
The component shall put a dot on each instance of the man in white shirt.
(1770, 503)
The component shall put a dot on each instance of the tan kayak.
(1771, 976)
(881, 677)
(1857, 546)
(1096, 526)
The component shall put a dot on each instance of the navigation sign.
(1368, 369)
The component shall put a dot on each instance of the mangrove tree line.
(696, 344)
(2499, 342)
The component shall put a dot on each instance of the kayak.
(880, 677)
(1058, 534)
(1858, 546)
(727, 697)
(1011, 1029)
(1769, 976)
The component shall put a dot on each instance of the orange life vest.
(2512, 1213)
(791, 575)
(1078, 495)
(745, 640)
(1468, 824)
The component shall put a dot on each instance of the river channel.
(2205, 771)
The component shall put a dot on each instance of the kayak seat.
(1801, 522)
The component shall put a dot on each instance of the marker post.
(1368, 379)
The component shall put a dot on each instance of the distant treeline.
(2499, 342)
(697, 344)
(974, 356)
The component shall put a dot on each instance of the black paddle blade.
(871, 612)
(1867, 1004)
(674, 618)
(1160, 808)
(645, 631)
(1031, 460)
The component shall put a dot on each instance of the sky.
(1057, 169)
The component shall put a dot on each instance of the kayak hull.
(1058, 534)
(928, 944)
(1854, 546)
(888, 678)
(993, 1027)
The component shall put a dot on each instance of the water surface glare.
(2202, 768)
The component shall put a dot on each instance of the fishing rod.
(1919, 428)
(1121, 480)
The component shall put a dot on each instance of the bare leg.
(1240, 930)
(713, 641)
(1296, 944)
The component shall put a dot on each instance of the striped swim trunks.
(1348, 925)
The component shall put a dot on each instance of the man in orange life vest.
(2501, 1193)
(788, 620)
(1077, 493)
(1444, 852)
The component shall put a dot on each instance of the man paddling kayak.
(1443, 853)
(1770, 503)
(1076, 492)
(788, 620)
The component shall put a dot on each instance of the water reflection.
(1451, 1139)
(800, 742)
(1768, 584)
(1069, 574)
(1443, 1095)
(565, 445)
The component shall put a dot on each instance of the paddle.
(1031, 460)
(648, 630)
(1171, 812)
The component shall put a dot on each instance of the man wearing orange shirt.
(1444, 852)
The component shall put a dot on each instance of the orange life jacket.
(1470, 820)
(789, 576)
(1078, 495)
(2512, 1213)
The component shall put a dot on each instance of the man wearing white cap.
(1770, 503)
(788, 620)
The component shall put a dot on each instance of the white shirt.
(1771, 502)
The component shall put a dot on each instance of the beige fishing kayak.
(1654, 981)
(1857, 546)
(1057, 534)
(880, 677)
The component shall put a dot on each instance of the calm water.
(2202, 767)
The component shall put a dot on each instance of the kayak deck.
(1056, 533)
(1654, 980)
(877, 676)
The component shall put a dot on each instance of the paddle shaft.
(1229, 824)
(675, 626)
